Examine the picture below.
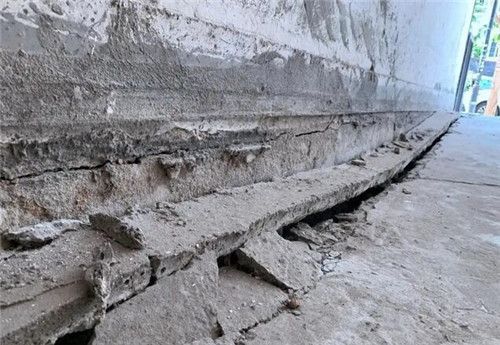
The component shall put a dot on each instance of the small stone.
(400, 144)
(405, 191)
(21, 53)
(296, 312)
(358, 162)
(293, 303)
(396, 150)
(56, 9)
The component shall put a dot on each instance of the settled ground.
(423, 267)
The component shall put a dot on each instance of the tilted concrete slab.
(283, 263)
(174, 233)
(244, 301)
(177, 310)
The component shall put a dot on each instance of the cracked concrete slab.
(283, 263)
(44, 292)
(178, 309)
(424, 268)
(244, 301)
(175, 233)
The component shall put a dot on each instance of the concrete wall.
(88, 61)
(89, 87)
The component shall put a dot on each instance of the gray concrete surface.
(424, 267)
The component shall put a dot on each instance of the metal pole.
(463, 74)
(475, 89)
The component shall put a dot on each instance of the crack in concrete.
(460, 182)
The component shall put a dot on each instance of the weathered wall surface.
(110, 103)
(74, 61)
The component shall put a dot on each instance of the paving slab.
(469, 153)
(284, 263)
(244, 301)
(178, 309)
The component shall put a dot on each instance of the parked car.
(485, 87)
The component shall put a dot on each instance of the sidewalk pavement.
(424, 267)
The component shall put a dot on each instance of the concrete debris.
(331, 261)
(305, 233)
(49, 286)
(402, 137)
(293, 302)
(40, 234)
(358, 215)
(178, 309)
(339, 231)
(119, 230)
(244, 301)
(401, 144)
(56, 9)
(281, 262)
(358, 162)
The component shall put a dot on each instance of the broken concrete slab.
(44, 292)
(119, 230)
(177, 232)
(39, 234)
(178, 309)
(304, 232)
(280, 262)
(244, 301)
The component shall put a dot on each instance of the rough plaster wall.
(77, 61)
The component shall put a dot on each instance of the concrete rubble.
(42, 233)
(178, 239)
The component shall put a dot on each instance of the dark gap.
(347, 206)
(401, 176)
(77, 338)
(250, 267)
(351, 205)
(217, 332)
(232, 260)
(229, 260)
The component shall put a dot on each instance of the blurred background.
(480, 79)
